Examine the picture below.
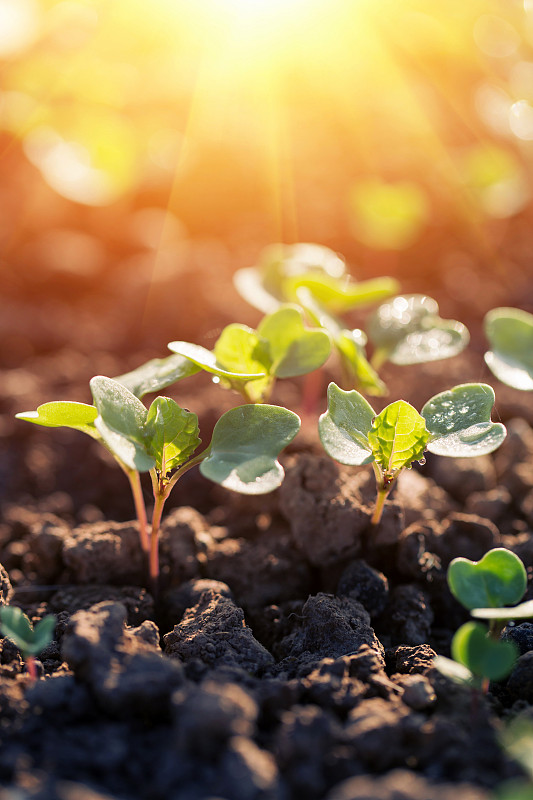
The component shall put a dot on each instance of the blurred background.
(148, 150)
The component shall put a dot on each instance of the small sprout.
(408, 330)
(510, 335)
(453, 423)
(284, 269)
(162, 440)
(249, 361)
(31, 641)
(485, 588)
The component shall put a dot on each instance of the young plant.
(249, 361)
(510, 334)
(162, 440)
(31, 641)
(453, 423)
(486, 588)
(285, 269)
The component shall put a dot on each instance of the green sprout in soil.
(249, 361)
(510, 334)
(489, 589)
(30, 640)
(163, 438)
(453, 423)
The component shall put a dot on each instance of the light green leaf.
(483, 656)
(356, 368)
(171, 434)
(510, 334)
(345, 426)
(498, 579)
(157, 374)
(341, 294)
(453, 670)
(459, 421)
(63, 413)
(244, 448)
(17, 627)
(120, 423)
(293, 348)
(207, 360)
(398, 437)
(249, 284)
(521, 611)
(408, 330)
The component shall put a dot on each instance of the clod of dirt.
(282, 574)
(521, 635)
(367, 585)
(122, 667)
(206, 716)
(520, 682)
(412, 660)
(215, 633)
(411, 615)
(176, 601)
(421, 498)
(6, 590)
(490, 505)
(105, 552)
(184, 534)
(461, 477)
(139, 604)
(418, 693)
(403, 785)
(426, 548)
(325, 509)
(329, 627)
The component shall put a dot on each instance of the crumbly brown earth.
(289, 652)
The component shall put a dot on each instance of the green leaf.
(157, 374)
(498, 579)
(17, 627)
(120, 423)
(293, 348)
(249, 284)
(453, 670)
(44, 633)
(341, 294)
(244, 448)
(356, 368)
(482, 655)
(398, 437)
(521, 611)
(510, 334)
(208, 362)
(171, 434)
(408, 330)
(345, 426)
(459, 421)
(63, 413)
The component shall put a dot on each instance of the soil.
(289, 651)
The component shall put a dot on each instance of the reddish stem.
(31, 668)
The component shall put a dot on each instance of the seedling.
(285, 269)
(30, 641)
(162, 440)
(249, 361)
(486, 588)
(453, 423)
(408, 330)
(510, 334)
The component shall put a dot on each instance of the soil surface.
(289, 651)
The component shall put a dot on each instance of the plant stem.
(31, 668)
(378, 508)
(160, 498)
(140, 508)
(313, 383)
